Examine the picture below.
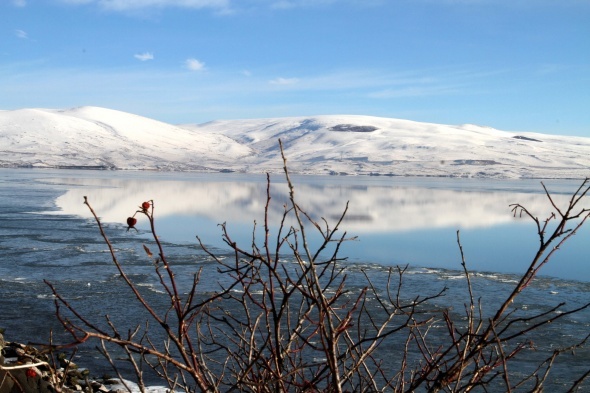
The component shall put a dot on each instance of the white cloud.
(288, 4)
(221, 6)
(129, 5)
(284, 81)
(350, 79)
(21, 34)
(194, 65)
(19, 3)
(144, 56)
(77, 2)
(246, 73)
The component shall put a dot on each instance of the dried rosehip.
(131, 221)
(145, 205)
(31, 373)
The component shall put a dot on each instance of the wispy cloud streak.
(21, 34)
(144, 56)
(131, 5)
(283, 81)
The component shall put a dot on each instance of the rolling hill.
(99, 138)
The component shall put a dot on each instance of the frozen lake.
(396, 220)
(47, 233)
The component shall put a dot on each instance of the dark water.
(41, 239)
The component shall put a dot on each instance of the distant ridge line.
(95, 138)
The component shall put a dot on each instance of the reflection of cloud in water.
(374, 206)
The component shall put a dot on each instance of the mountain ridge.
(94, 137)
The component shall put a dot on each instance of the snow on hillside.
(340, 144)
(98, 137)
(370, 145)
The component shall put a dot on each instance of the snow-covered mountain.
(342, 144)
(104, 138)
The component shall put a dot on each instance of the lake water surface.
(395, 220)
(47, 233)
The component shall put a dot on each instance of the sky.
(515, 65)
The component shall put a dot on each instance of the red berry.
(31, 373)
(131, 221)
(145, 205)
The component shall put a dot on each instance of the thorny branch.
(289, 321)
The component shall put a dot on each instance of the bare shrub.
(287, 320)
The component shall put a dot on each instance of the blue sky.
(510, 64)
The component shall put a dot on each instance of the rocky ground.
(26, 369)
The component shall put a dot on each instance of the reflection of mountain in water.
(374, 205)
